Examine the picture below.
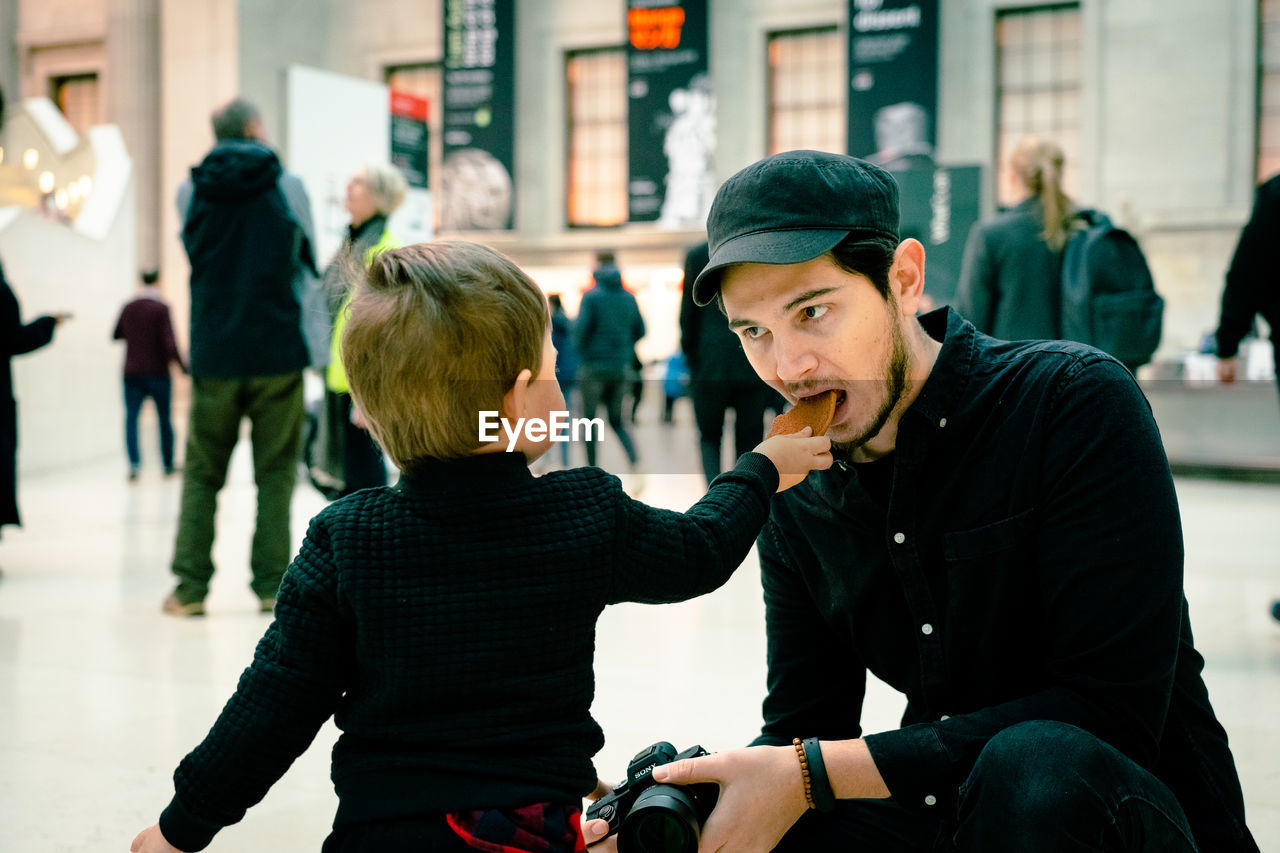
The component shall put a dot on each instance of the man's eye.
(752, 332)
(813, 312)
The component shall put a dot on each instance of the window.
(425, 80)
(1268, 88)
(1037, 87)
(77, 97)
(806, 90)
(596, 99)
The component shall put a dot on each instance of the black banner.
(478, 174)
(893, 82)
(939, 206)
(671, 113)
(409, 149)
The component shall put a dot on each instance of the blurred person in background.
(605, 335)
(566, 358)
(16, 338)
(1010, 281)
(246, 227)
(1252, 289)
(345, 458)
(720, 377)
(146, 328)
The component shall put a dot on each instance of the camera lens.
(664, 819)
(662, 832)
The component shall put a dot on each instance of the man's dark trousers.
(136, 390)
(274, 407)
(1042, 786)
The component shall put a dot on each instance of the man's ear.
(906, 276)
(515, 400)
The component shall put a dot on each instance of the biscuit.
(816, 411)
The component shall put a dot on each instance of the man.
(721, 378)
(150, 347)
(247, 232)
(1000, 542)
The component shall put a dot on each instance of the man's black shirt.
(1026, 564)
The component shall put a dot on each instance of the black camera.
(653, 818)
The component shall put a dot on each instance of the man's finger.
(688, 771)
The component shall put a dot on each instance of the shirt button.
(926, 629)
(945, 717)
(942, 423)
(899, 538)
(930, 800)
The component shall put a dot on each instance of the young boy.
(449, 621)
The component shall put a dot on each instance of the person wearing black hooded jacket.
(247, 231)
(605, 335)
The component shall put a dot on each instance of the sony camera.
(653, 818)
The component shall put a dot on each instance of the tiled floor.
(100, 694)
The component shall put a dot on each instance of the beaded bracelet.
(804, 771)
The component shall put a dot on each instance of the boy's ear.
(515, 400)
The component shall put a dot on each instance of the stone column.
(133, 103)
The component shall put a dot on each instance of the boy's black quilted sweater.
(448, 623)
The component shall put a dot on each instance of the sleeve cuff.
(184, 830)
(914, 766)
(760, 466)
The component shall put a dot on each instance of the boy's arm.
(665, 556)
(151, 840)
(297, 677)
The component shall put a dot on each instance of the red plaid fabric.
(540, 828)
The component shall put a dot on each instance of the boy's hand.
(796, 455)
(594, 830)
(151, 841)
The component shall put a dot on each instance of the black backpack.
(1109, 299)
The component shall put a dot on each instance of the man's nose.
(795, 359)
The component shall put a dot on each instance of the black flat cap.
(793, 207)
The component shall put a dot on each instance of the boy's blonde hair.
(439, 332)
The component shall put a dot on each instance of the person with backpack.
(1009, 280)
(1046, 269)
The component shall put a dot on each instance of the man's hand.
(151, 841)
(1227, 370)
(761, 796)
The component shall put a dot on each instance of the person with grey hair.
(246, 227)
(342, 456)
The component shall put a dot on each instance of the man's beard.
(895, 384)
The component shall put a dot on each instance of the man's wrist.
(852, 771)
